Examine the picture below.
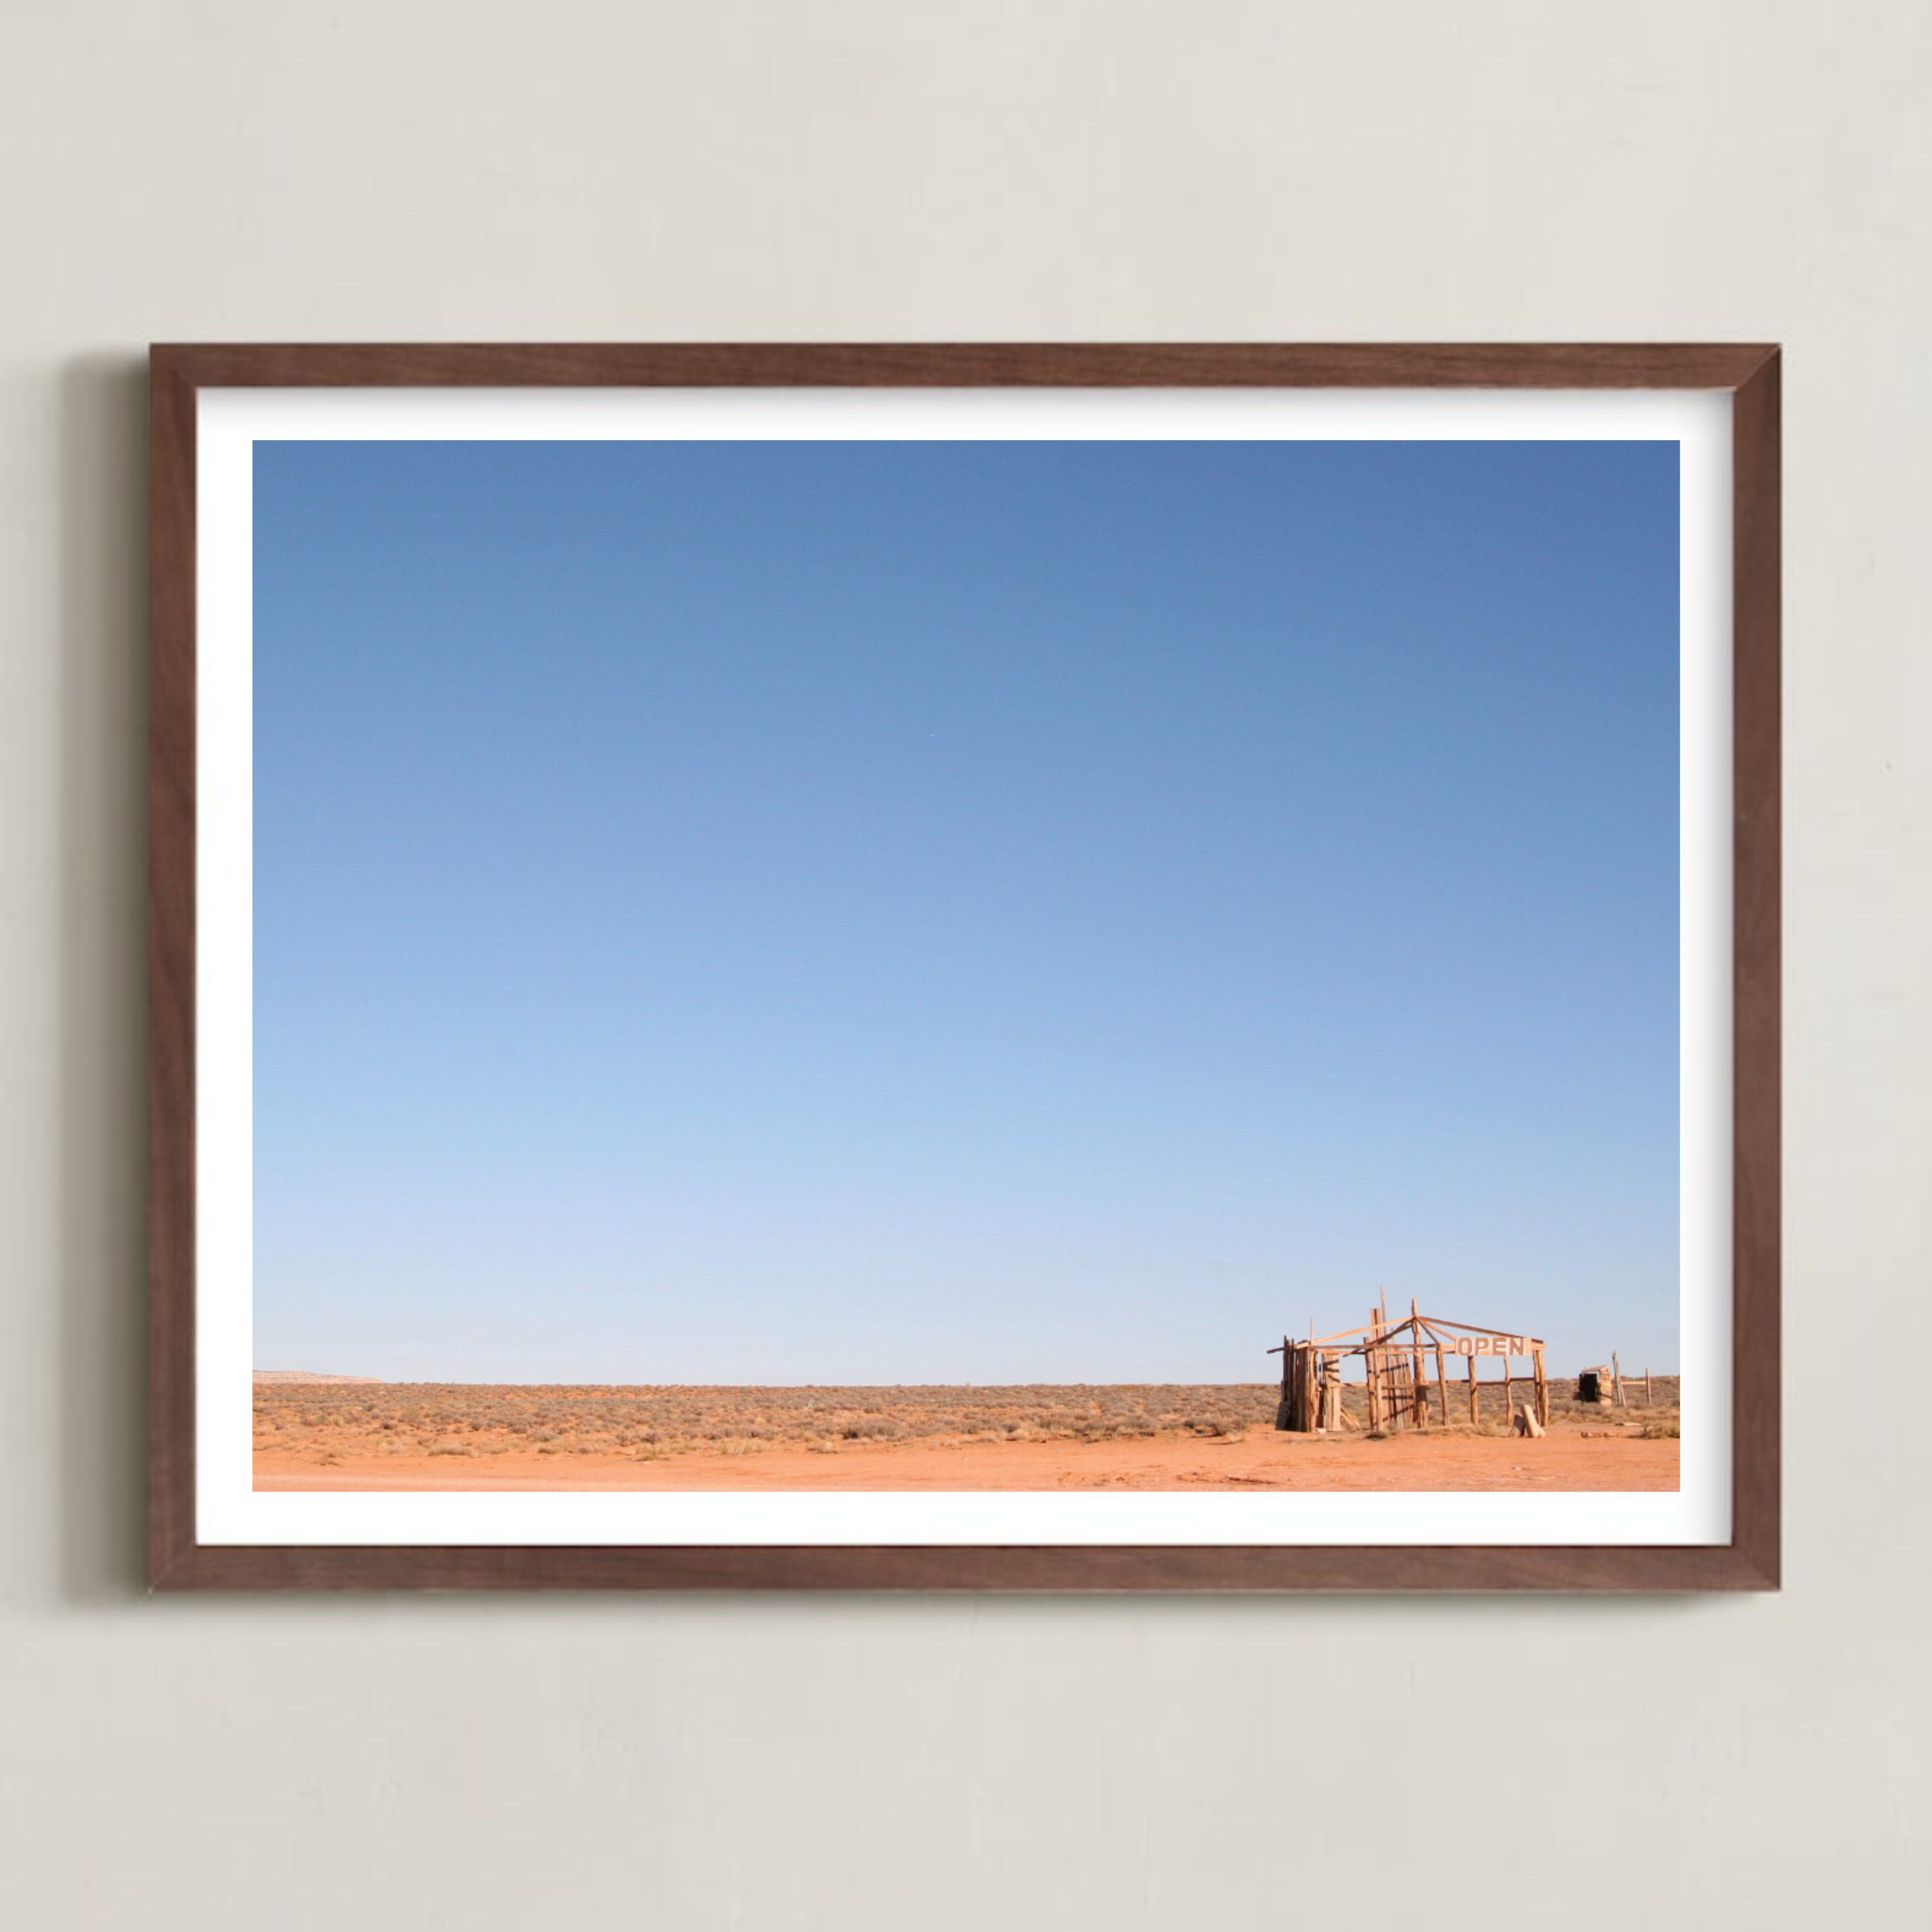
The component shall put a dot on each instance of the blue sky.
(948, 912)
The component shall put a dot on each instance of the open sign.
(1495, 1344)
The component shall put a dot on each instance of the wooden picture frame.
(181, 1557)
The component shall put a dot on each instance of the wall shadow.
(101, 1126)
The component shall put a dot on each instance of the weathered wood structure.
(1397, 1360)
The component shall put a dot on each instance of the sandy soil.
(1611, 1457)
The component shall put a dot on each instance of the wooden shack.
(1397, 1359)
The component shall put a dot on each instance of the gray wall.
(1656, 169)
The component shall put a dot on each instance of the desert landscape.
(319, 1431)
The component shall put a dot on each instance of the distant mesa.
(306, 1376)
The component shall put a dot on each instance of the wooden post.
(1647, 1402)
(1509, 1391)
(1616, 1380)
(1339, 1418)
(1415, 1375)
(1369, 1362)
(1542, 1392)
(1475, 1400)
(1442, 1385)
(1396, 1416)
(1281, 1420)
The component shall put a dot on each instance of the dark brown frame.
(1749, 372)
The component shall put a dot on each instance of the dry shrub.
(449, 1419)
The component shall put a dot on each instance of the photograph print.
(1010, 964)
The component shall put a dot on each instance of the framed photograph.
(1096, 967)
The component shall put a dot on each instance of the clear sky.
(960, 912)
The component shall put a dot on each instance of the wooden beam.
(1507, 1334)
(1377, 1341)
(1340, 1335)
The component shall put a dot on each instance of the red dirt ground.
(1610, 1459)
